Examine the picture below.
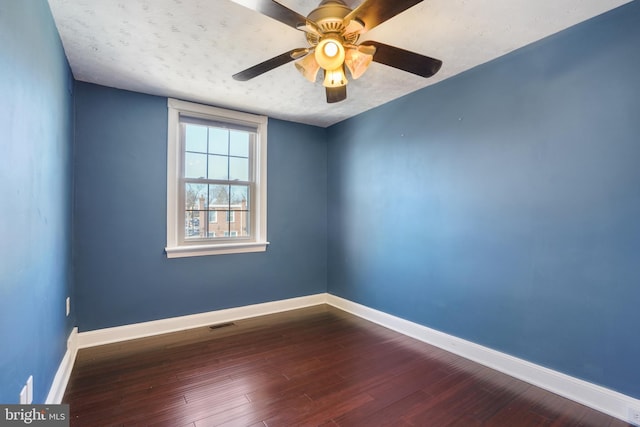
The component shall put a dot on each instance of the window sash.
(229, 125)
(222, 213)
(227, 235)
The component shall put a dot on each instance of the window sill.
(218, 249)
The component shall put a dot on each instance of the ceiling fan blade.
(269, 64)
(401, 59)
(374, 12)
(275, 10)
(336, 94)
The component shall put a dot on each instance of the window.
(216, 181)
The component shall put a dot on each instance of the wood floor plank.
(314, 366)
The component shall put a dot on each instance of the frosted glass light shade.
(308, 67)
(358, 60)
(335, 78)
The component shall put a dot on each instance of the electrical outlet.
(30, 390)
(634, 416)
(68, 306)
(23, 395)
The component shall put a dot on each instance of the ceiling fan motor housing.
(329, 17)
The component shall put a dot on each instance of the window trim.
(258, 241)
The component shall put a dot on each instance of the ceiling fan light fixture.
(330, 53)
(308, 67)
(358, 60)
(335, 78)
(332, 31)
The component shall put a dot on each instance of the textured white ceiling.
(189, 49)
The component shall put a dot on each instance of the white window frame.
(258, 240)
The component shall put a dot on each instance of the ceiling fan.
(332, 32)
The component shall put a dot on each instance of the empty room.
(305, 212)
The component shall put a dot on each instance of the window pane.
(218, 167)
(195, 196)
(244, 223)
(219, 197)
(239, 143)
(238, 169)
(240, 210)
(195, 138)
(220, 226)
(218, 141)
(238, 222)
(194, 227)
(195, 165)
(239, 197)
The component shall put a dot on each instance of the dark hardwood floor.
(314, 366)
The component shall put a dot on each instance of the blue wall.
(122, 273)
(502, 206)
(35, 198)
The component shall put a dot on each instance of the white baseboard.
(599, 398)
(174, 324)
(61, 379)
